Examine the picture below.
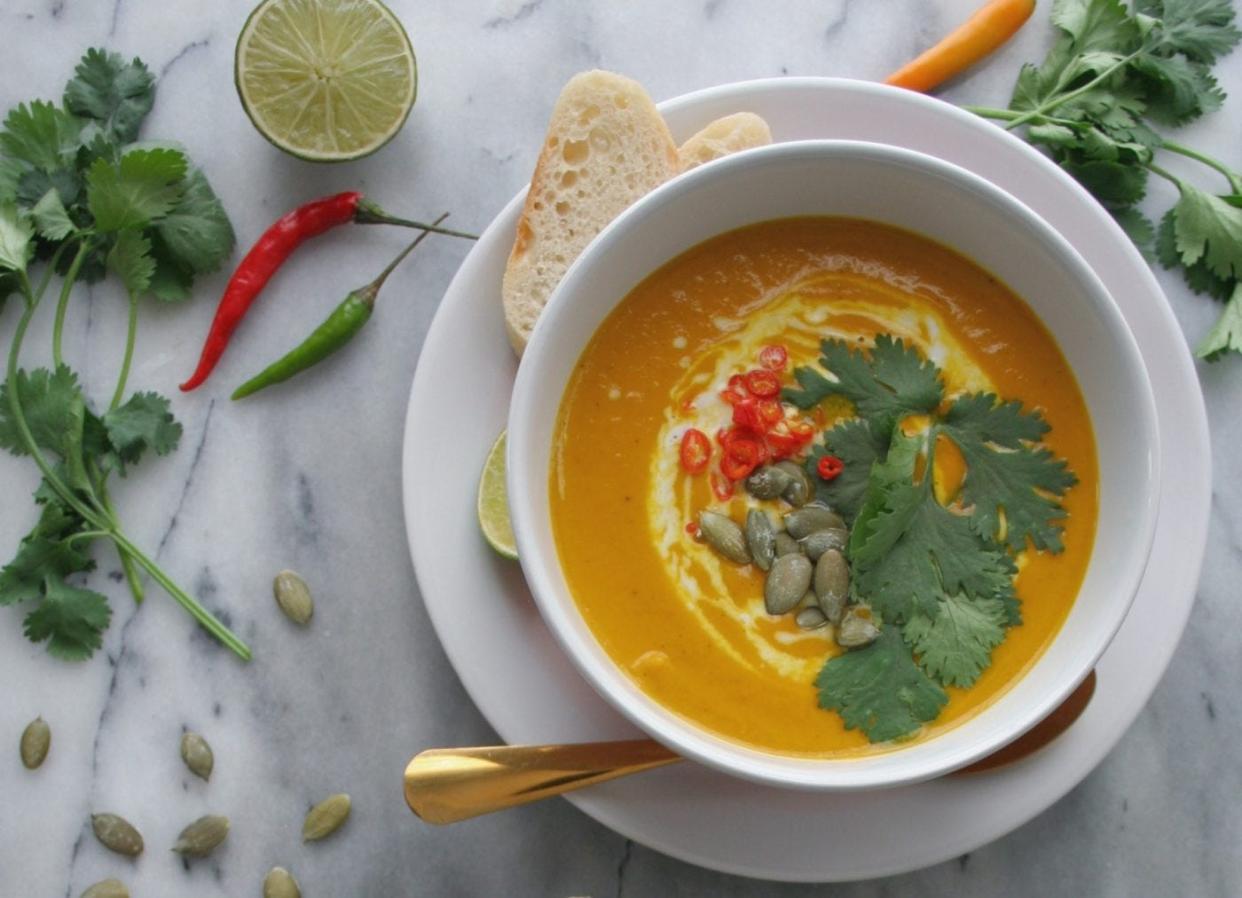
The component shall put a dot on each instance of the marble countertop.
(309, 482)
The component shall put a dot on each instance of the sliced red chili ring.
(745, 447)
(829, 467)
(784, 445)
(692, 528)
(732, 397)
(736, 468)
(774, 358)
(737, 383)
(696, 451)
(763, 383)
(771, 412)
(746, 416)
(803, 430)
(722, 487)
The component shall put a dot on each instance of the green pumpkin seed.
(723, 535)
(801, 488)
(768, 482)
(107, 888)
(202, 837)
(117, 834)
(197, 755)
(832, 584)
(787, 582)
(35, 742)
(786, 545)
(326, 817)
(810, 619)
(817, 543)
(760, 539)
(857, 628)
(293, 596)
(279, 883)
(802, 522)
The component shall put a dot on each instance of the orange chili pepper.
(993, 24)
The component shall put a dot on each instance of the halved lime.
(325, 80)
(494, 502)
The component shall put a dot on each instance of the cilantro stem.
(1164, 173)
(127, 563)
(1234, 179)
(130, 334)
(48, 272)
(205, 618)
(85, 534)
(62, 304)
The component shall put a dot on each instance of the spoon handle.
(445, 785)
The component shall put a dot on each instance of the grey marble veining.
(310, 482)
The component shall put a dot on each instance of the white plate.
(529, 691)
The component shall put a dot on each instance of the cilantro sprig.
(1115, 75)
(79, 198)
(937, 575)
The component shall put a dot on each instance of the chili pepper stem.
(368, 293)
(368, 212)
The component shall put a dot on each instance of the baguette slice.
(606, 147)
(731, 134)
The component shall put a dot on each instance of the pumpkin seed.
(832, 583)
(107, 888)
(197, 755)
(804, 521)
(36, 740)
(293, 596)
(760, 539)
(279, 883)
(768, 482)
(326, 818)
(786, 545)
(811, 619)
(202, 837)
(723, 535)
(857, 629)
(801, 487)
(117, 834)
(817, 543)
(786, 584)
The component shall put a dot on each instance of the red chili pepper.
(746, 416)
(722, 487)
(737, 384)
(693, 529)
(732, 397)
(696, 451)
(770, 412)
(829, 467)
(270, 252)
(745, 447)
(774, 358)
(763, 383)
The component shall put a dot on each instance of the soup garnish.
(911, 559)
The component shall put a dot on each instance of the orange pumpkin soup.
(689, 626)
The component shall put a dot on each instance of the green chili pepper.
(337, 330)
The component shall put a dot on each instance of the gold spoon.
(445, 785)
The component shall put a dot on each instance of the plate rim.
(605, 809)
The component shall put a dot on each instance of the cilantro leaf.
(44, 553)
(40, 134)
(1226, 335)
(1005, 474)
(1179, 90)
(859, 447)
(894, 381)
(111, 91)
(907, 549)
(130, 258)
(955, 644)
(1096, 25)
(143, 422)
(171, 280)
(50, 217)
(10, 171)
(1201, 30)
(1114, 184)
(879, 689)
(1138, 228)
(55, 413)
(1209, 228)
(196, 232)
(143, 186)
(72, 621)
(1198, 276)
(16, 236)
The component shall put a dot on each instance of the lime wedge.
(325, 80)
(494, 502)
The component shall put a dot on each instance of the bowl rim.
(685, 735)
